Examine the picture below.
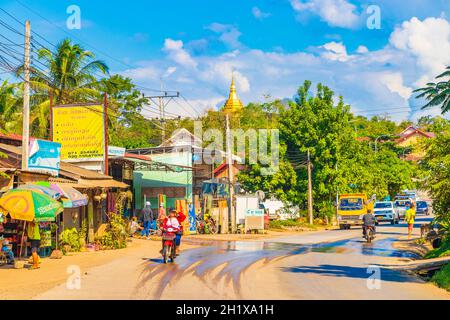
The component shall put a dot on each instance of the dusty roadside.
(411, 245)
(25, 283)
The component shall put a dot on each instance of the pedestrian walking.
(147, 217)
(410, 216)
(34, 236)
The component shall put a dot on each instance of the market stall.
(20, 206)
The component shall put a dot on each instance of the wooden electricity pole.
(106, 137)
(159, 101)
(26, 99)
(310, 199)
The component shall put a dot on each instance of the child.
(8, 252)
(134, 226)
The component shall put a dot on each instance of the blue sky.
(274, 45)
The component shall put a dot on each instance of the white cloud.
(175, 50)
(362, 49)
(335, 51)
(394, 82)
(258, 14)
(337, 13)
(368, 80)
(428, 41)
(229, 34)
(142, 73)
(169, 71)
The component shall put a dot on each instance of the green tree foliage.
(437, 93)
(374, 127)
(313, 123)
(436, 166)
(70, 75)
(341, 162)
(10, 108)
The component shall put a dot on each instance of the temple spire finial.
(233, 103)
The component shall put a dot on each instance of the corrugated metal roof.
(84, 178)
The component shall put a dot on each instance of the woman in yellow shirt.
(410, 216)
(34, 237)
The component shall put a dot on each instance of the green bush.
(71, 238)
(289, 223)
(442, 277)
(116, 234)
(442, 251)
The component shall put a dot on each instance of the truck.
(352, 207)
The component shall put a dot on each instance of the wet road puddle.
(229, 260)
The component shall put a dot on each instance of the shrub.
(442, 277)
(442, 251)
(116, 233)
(70, 240)
(289, 223)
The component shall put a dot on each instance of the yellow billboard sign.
(81, 131)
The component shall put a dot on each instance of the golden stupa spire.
(233, 103)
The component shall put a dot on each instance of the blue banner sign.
(44, 157)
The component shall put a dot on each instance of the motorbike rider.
(175, 221)
(369, 220)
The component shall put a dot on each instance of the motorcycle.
(169, 247)
(370, 234)
(206, 225)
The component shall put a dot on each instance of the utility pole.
(159, 101)
(231, 217)
(337, 197)
(26, 99)
(310, 204)
(106, 137)
(51, 115)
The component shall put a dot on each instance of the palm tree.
(437, 94)
(69, 75)
(10, 107)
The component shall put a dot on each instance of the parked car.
(385, 211)
(422, 208)
(400, 205)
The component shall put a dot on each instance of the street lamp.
(383, 135)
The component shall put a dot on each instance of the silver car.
(385, 211)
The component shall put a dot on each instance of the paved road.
(319, 265)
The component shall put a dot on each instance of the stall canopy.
(54, 194)
(70, 197)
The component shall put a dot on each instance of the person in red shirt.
(175, 220)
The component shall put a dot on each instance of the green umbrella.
(30, 205)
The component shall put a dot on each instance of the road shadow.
(352, 272)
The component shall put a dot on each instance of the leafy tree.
(69, 75)
(436, 166)
(374, 127)
(282, 185)
(313, 123)
(10, 106)
(437, 93)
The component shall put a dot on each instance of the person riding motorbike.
(369, 220)
(175, 220)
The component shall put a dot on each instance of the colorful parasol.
(42, 189)
(30, 205)
(70, 197)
